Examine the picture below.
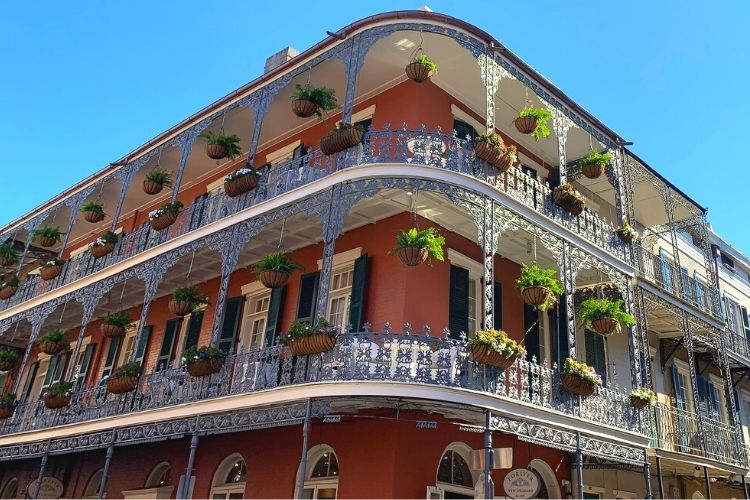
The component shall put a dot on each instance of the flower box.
(121, 385)
(314, 343)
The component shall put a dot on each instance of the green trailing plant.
(644, 394)
(429, 239)
(542, 116)
(593, 309)
(499, 341)
(195, 354)
(121, 319)
(299, 329)
(8, 355)
(93, 207)
(9, 282)
(277, 261)
(594, 158)
(8, 401)
(323, 97)
(55, 336)
(497, 142)
(572, 191)
(8, 253)
(192, 295)
(168, 208)
(61, 388)
(533, 275)
(131, 369)
(160, 176)
(230, 142)
(581, 370)
(425, 61)
(48, 232)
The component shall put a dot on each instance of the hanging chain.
(281, 233)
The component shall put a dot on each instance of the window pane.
(237, 474)
(323, 466)
(327, 493)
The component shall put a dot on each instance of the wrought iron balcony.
(737, 344)
(416, 147)
(679, 430)
(378, 357)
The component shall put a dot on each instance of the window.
(454, 476)
(128, 343)
(256, 317)
(727, 261)
(340, 294)
(682, 387)
(160, 476)
(10, 490)
(346, 290)
(465, 295)
(464, 130)
(229, 479)
(596, 353)
(322, 481)
(92, 486)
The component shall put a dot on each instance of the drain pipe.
(107, 463)
(489, 486)
(185, 492)
(647, 474)
(579, 466)
(38, 486)
(660, 476)
(303, 459)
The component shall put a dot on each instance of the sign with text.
(51, 487)
(521, 483)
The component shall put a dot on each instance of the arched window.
(92, 486)
(550, 488)
(454, 476)
(229, 479)
(322, 481)
(10, 490)
(160, 476)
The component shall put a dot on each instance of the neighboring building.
(399, 407)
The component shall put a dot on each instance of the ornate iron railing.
(381, 357)
(417, 147)
(680, 430)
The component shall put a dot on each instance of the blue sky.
(85, 82)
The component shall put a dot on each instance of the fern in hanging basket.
(604, 315)
(8, 254)
(538, 286)
(592, 166)
(274, 269)
(8, 359)
(416, 246)
(93, 211)
(421, 68)
(533, 121)
(310, 100)
(186, 299)
(220, 145)
(47, 236)
(492, 149)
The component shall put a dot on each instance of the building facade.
(399, 406)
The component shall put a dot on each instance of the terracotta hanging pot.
(625, 237)
(151, 187)
(240, 185)
(6, 261)
(604, 326)
(6, 366)
(112, 331)
(638, 403)
(46, 241)
(99, 251)
(55, 402)
(340, 140)
(205, 367)
(121, 385)
(93, 217)
(217, 151)
(535, 295)
(526, 124)
(486, 356)
(180, 307)
(498, 158)
(418, 72)
(163, 221)
(593, 170)
(48, 273)
(6, 411)
(412, 256)
(52, 348)
(315, 343)
(7, 292)
(576, 385)
(567, 201)
(304, 108)
(273, 279)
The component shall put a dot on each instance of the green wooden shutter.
(497, 306)
(140, 350)
(85, 363)
(531, 329)
(29, 381)
(194, 329)
(275, 306)
(308, 296)
(167, 345)
(677, 388)
(458, 302)
(109, 362)
(55, 370)
(231, 323)
(595, 355)
(359, 285)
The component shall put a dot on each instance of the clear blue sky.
(85, 82)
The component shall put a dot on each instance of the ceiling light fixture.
(404, 44)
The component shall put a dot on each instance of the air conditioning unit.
(502, 459)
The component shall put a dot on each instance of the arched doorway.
(454, 477)
(229, 478)
(550, 487)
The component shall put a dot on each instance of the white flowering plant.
(54, 263)
(107, 238)
(167, 208)
(242, 172)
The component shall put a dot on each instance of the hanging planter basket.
(48, 273)
(625, 237)
(604, 326)
(274, 279)
(112, 331)
(55, 402)
(240, 185)
(6, 366)
(638, 403)
(180, 307)
(93, 217)
(7, 292)
(6, 411)
(151, 187)
(163, 221)
(526, 124)
(535, 295)
(486, 356)
(121, 385)
(205, 367)
(6, 262)
(99, 251)
(315, 343)
(498, 158)
(576, 385)
(412, 256)
(341, 139)
(567, 201)
(46, 241)
(418, 72)
(304, 108)
(52, 348)
(217, 151)
(593, 170)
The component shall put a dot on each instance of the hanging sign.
(521, 483)
(51, 487)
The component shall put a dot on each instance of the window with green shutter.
(166, 353)
(193, 330)
(274, 316)
(112, 351)
(83, 366)
(231, 324)
(596, 355)
(308, 296)
(531, 328)
(140, 350)
(458, 302)
(359, 286)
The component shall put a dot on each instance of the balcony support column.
(660, 477)
(185, 486)
(303, 459)
(39, 477)
(669, 201)
(708, 482)
(489, 486)
(688, 343)
(353, 59)
(125, 175)
(560, 124)
(107, 463)
(37, 319)
(568, 276)
(744, 486)
(634, 343)
(89, 297)
(74, 203)
(186, 146)
(647, 474)
(578, 465)
(30, 227)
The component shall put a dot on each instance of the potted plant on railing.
(203, 361)
(156, 180)
(495, 348)
(304, 339)
(186, 299)
(492, 149)
(8, 255)
(58, 394)
(8, 403)
(592, 166)
(241, 181)
(8, 359)
(51, 269)
(93, 212)
(165, 216)
(344, 136)
(220, 146)
(627, 233)
(125, 378)
(54, 342)
(310, 100)
(604, 315)
(47, 236)
(113, 324)
(533, 121)
(103, 245)
(416, 246)
(538, 286)
(274, 269)
(569, 198)
(8, 288)
(421, 68)
(579, 378)
(642, 397)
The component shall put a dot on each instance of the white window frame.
(476, 274)
(221, 473)
(180, 346)
(342, 262)
(253, 292)
(464, 450)
(716, 381)
(684, 370)
(362, 114)
(130, 333)
(282, 154)
(315, 484)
